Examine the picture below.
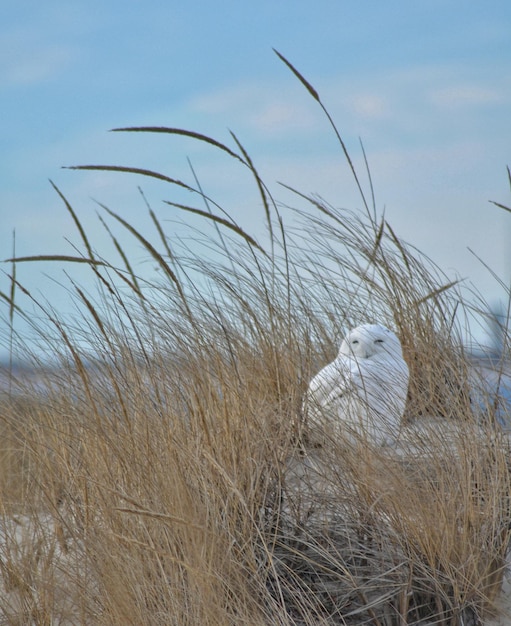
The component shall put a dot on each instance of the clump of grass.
(169, 461)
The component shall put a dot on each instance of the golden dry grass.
(165, 475)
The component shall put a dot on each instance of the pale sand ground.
(39, 574)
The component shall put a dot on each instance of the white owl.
(363, 392)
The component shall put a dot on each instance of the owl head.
(371, 341)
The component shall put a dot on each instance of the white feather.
(364, 390)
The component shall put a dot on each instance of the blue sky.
(426, 85)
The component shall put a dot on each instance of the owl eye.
(354, 341)
(378, 341)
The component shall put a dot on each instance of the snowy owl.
(364, 390)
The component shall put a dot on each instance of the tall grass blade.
(219, 220)
(207, 205)
(12, 308)
(260, 186)
(501, 206)
(60, 258)
(8, 300)
(131, 170)
(300, 77)
(12, 293)
(370, 179)
(437, 292)
(154, 253)
(134, 280)
(399, 246)
(76, 220)
(315, 95)
(185, 133)
(163, 237)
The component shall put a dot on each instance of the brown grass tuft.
(159, 472)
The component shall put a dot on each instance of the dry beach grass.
(165, 475)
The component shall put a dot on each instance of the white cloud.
(462, 95)
(25, 60)
(412, 104)
(263, 108)
(370, 106)
(40, 68)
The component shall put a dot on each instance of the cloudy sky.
(426, 85)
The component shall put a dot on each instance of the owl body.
(363, 392)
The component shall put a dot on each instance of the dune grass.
(165, 475)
